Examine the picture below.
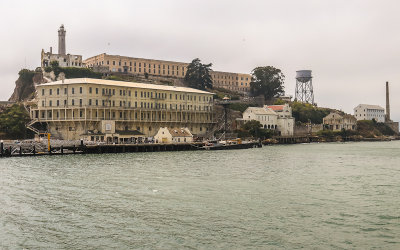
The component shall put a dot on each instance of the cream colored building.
(232, 81)
(337, 122)
(173, 135)
(274, 117)
(103, 110)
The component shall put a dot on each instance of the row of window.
(148, 71)
(230, 83)
(143, 94)
(148, 105)
(123, 115)
(216, 76)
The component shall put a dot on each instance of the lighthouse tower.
(61, 40)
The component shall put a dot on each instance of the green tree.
(255, 129)
(305, 112)
(198, 75)
(267, 81)
(13, 120)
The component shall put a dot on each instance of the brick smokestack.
(387, 103)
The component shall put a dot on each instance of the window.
(50, 92)
(80, 102)
(58, 91)
(65, 91)
(50, 103)
(80, 90)
(97, 91)
(90, 102)
(58, 103)
(42, 91)
(73, 91)
(97, 102)
(73, 102)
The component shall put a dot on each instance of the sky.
(351, 46)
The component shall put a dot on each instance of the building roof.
(126, 84)
(276, 107)
(128, 132)
(260, 111)
(179, 132)
(369, 106)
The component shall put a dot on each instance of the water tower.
(304, 87)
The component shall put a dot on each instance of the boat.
(230, 144)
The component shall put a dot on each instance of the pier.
(41, 149)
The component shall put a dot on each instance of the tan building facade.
(104, 110)
(337, 122)
(232, 81)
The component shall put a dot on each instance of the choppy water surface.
(299, 196)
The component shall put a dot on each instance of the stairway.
(30, 126)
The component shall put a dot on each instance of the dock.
(41, 150)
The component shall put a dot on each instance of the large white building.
(369, 112)
(113, 111)
(275, 117)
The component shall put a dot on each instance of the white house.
(369, 112)
(267, 118)
(274, 117)
(170, 135)
(285, 118)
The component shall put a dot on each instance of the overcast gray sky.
(352, 46)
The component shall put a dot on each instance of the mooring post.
(82, 146)
(20, 150)
(34, 149)
(62, 149)
(1, 148)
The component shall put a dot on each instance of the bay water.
(312, 196)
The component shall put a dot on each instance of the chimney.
(51, 50)
(387, 103)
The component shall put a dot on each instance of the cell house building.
(116, 111)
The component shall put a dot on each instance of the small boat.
(230, 144)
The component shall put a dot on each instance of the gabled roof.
(181, 132)
(276, 107)
(260, 111)
(368, 106)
